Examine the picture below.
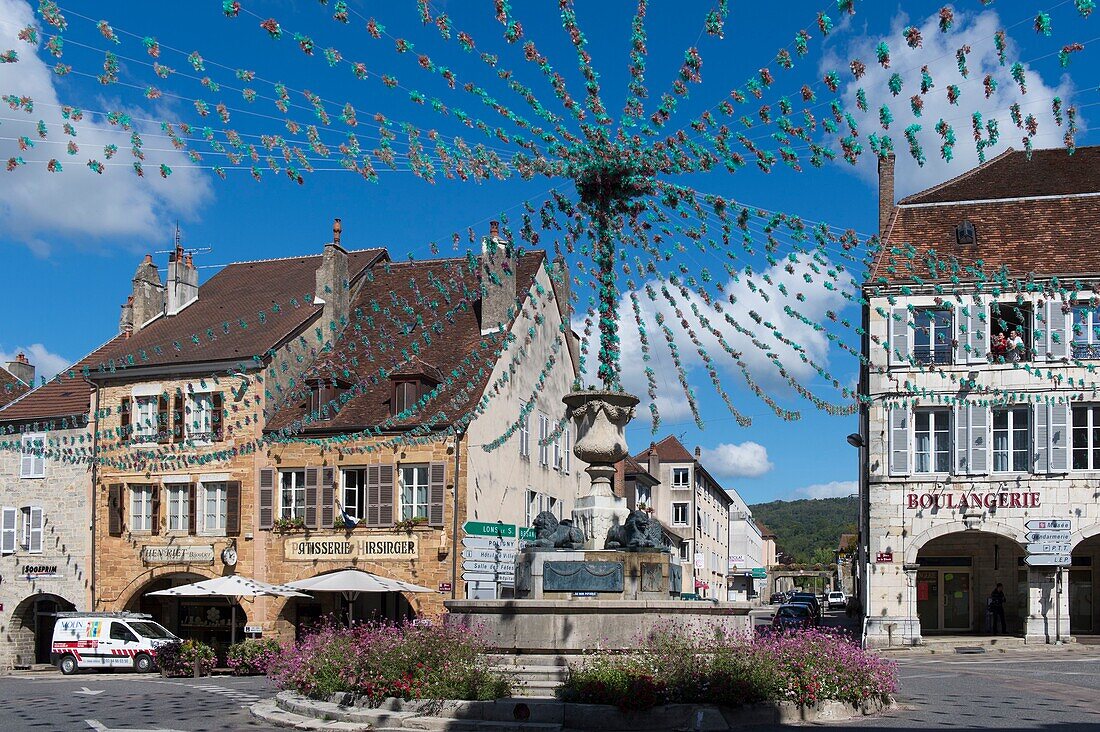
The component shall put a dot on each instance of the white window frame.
(414, 508)
(533, 505)
(1012, 446)
(685, 552)
(220, 489)
(566, 449)
(687, 512)
(643, 494)
(1089, 337)
(199, 420)
(525, 435)
(32, 466)
(297, 489)
(544, 432)
(144, 429)
(141, 508)
(177, 515)
(32, 527)
(9, 530)
(933, 331)
(935, 414)
(686, 472)
(357, 508)
(1091, 423)
(557, 464)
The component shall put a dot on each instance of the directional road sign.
(1047, 560)
(1048, 525)
(488, 577)
(1049, 547)
(484, 528)
(490, 567)
(506, 556)
(484, 542)
(1056, 536)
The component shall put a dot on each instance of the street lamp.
(855, 440)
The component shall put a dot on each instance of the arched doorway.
(33, 633)
(1081, 584)
(955, 576)
(207, 619)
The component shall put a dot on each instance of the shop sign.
(254, 629)
(444, 587)
(884, 558)
(39, 571)
(404, 546)
(973, 499)
(736, 560)
(179, 554)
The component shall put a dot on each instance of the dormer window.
(965, 234)
(405, 394)
(322, 394)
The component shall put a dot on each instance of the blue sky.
(71, 241)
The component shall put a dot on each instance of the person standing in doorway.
(997, 609)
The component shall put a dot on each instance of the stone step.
(272, 714)
(536, 659)
(445, 724)
(537, 688)
(534, 673)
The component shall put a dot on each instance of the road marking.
(88, 692)
(100, 727)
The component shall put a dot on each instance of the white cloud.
(727, 460)
(938, 52)
(833, 489)
(77, 202)
(46, 363)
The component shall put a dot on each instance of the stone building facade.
(967, 441)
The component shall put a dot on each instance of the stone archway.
(915, 544)
(1083, 583)
(32, 627)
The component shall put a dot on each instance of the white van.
(106, 640)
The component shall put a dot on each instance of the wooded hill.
(809, 529)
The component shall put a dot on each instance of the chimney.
(654, 467)
(22, 369)
(498, 281)
(183, 281)
(146, 300)
(885, 192)
(333, 286)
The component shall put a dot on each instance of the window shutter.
(313, 476)
(1058, 414)
(544, 449)
(978, 419)
(267, 498)
(976, 335)
(1042, 439)
(8, 526)
(217, 405)
(233, 508)
(371, 512)
(124, 418)
(38, 458)
(26, 459)
(899, 337)
(154, 509)
(328, 497)
(899, 427)
(567, 435)
(163, 421)
(34, 543)
(178, 417)
(114, 509)
(386, 495)
(961, 333)
(962, 439)
(437, 491)
(1057, 331)
(192, 509)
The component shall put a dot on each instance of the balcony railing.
(940, 354)
(1086, 351)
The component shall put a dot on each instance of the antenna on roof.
(177, 242)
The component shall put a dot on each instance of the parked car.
(807, 598)
(778, 598)
(106, 640)
(792, 616)
(836, 600)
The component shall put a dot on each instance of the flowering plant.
(252, 656)
(180, 658)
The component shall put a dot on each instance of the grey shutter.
(1058, 416)
(962, 439)
(313, 477)
(327, 509)
(899, 425)
(978, 419)
(233, 508)
(960, 333)
(267, 498)
(1057, 330)
(8, 530)
(154, 509)
(386, 495)
(370, 512)
(898, 333)
(114, 509)
(437, 491)
(1042, 439)
(192, 508)
(34, 541)
(976, 333)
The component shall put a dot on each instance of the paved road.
(128, 701)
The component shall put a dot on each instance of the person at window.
(1015, 346)
(997, 609)
(999, 347)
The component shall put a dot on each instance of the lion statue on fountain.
(640, 531)
(553, 534)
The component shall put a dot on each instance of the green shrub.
(179, 658)
(252, 656)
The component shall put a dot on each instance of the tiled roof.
(239, 291)
(392, 289)
(633, 467)
(1047, 236)
(67, 395)
(669, 450)
(10, 387)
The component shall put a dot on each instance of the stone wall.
(64, 495)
